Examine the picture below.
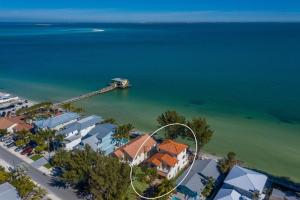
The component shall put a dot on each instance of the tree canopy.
(23, 184)
(110, 120)
(199, 125)
(94, 174)
(123, 131)
(164, 187)
(71, 108)
(226, 164)
(170, 117)
(202, 131)
(206, 192)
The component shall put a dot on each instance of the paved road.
(43, 180)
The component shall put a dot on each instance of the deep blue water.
(243, 77)
(252, 65)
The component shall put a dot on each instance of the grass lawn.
(140, 186)
(48, 165)
(36, 157)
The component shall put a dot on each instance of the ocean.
(242, 77)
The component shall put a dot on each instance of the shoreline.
(209, 151)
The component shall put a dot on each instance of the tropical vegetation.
(93, 174)
(199, 126)
(207, 191)
(123, 131)
(226, 164)
(23, 184)
(163, 188)
(32, 110)
(72, 108)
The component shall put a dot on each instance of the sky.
(150, 10)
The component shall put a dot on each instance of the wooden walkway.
(84, 96)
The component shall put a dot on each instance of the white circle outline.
(131, 166)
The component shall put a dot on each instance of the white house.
(170, 158)
(75, 131)
(127, 152)
(245, 182)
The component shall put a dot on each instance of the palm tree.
(170, 117)
(163, 188)
(202, 131)
(123, 131)
(227, 163)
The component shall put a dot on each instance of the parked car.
(27, 150)
(18, 149)
(7, 142)
(10, 145)
(5, 138)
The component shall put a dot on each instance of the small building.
(120, 82)
(247, 183)
(170, 158)
(14, 124)
(8, 192)
(101, 138)
(197, 179)
(56, 123)
(127, 152)
(74, 132)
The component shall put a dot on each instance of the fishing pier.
(116, 83)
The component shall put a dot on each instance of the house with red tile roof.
(14, 124)
(171, 157)
(132, 153)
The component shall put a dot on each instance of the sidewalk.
(26, 159)
(6, 166)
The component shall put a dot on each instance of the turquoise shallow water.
(243, 77)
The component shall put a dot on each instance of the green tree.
(34, 109)
(71, 108)
(61, 158)
(123, 131)
(39, 193)
(164, 187)
(110, 120)
(3, 132)
(202, 131)
(109, 181)
(226, 164)
(206, 192)
(21, 142)
(150, 173)
(4, 176)
(40, 148)
(93, 173)
(23, 185)
(170, 117)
